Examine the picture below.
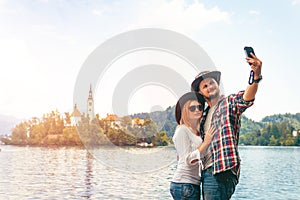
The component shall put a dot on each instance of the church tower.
(90, 105)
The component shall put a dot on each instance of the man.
(221, 163)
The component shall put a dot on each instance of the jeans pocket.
(187, 190)
(174, 190)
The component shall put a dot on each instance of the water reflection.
(134, 160)
(89, 175)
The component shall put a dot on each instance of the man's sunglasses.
(193, 108)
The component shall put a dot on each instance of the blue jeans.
(184, 191)
(218, 187)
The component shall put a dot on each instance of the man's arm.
(251, 90)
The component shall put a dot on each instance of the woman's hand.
(210, 134)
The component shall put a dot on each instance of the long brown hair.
(185, 113)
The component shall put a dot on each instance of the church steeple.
(90, 104)
(90, 92)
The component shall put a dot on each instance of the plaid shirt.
(227, 120)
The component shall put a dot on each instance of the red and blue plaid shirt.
(227, 120)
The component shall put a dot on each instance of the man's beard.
(213, 96)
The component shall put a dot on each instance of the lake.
(134, 173)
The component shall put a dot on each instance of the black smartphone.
(249, 50)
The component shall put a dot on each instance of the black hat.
(205, 74)
(186, 97)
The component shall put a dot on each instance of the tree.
(289, 140)
(161, 139)
(297, 140)
(37, 133)
(126, 122)
(19, 134)
(275, 131)
(273, 141)
(70, 136)
(68, 118)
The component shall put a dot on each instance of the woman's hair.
(190, 96)
(185, 113)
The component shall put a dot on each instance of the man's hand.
(251, 90)
(256, 65)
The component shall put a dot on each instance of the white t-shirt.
(186, 144)
(207, 155)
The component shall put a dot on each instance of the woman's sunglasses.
(193, 108)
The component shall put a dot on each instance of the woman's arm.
(202, 148)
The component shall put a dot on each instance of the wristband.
(257, 80)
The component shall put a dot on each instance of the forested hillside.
(275, 130)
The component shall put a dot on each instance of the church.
(112, 120)
(90, 112)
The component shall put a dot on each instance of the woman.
(189, 146)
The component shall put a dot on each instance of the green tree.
(289, 140)
(273, 141)
(161, 139)
(297, 140)
(274, 131)
(37, 134)
(70, 136)
(19, 134)
(149, 130)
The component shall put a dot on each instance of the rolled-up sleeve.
(239, 102)
(193, 157)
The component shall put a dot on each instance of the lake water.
(73, 173)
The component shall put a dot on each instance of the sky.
(45, 43)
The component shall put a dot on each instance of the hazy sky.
(44, 43)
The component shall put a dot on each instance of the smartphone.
(249, 50)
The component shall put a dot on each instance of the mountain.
(165, 120)
(7, 123)
(249, 125)
(292, 119)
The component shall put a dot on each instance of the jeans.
(184, 191)
(218, 187)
